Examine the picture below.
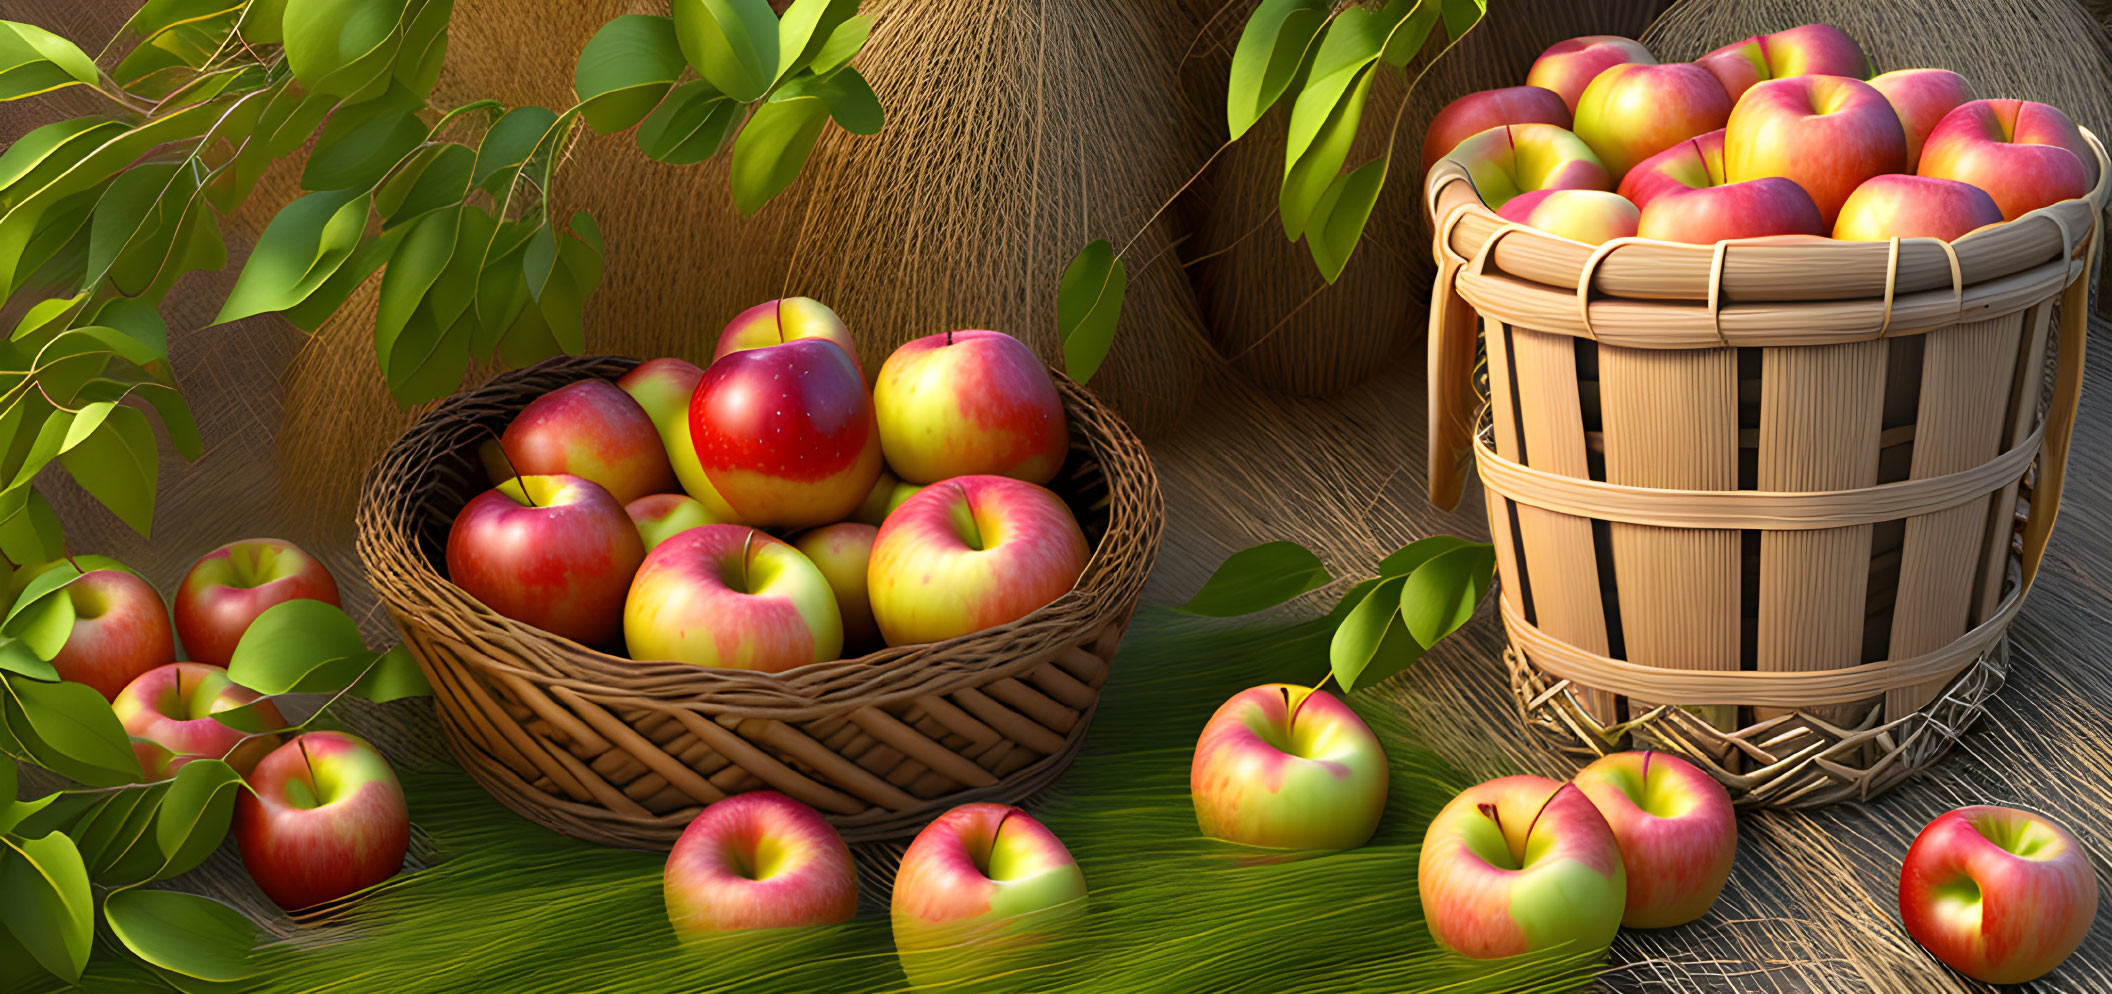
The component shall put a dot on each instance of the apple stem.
(76, 566)
(777, 310)
(949, 336)
(1292, 718)
(1646, 769)
(510, 467)
(747, 547)
(1489, 811)
(302, 742)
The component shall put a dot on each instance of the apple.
(663, 388)
(1567, 67)
(660, 517)
(2025, 155)
(842, 552)
(1676, 830)
(1520, 864)
(1998, 894)
(1520, 158)
(786, 433)
(167, 712)
(1809, 50)
(324, 817)
(731, 596)
(1752, 209)
(1290, 768)
(758, 860)
(960, 403)
(979, 887)
(120, 630)
(775, 322)
(234, 583)
(595, 431)
(873, 509)
(1896, 205)
(1689, 165)
(1921, 98)
(554, 551)
(971, 553)
(1478, 112)
(1588, 216)
(1634, 111)
(1828, 133)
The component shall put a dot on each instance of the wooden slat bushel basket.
(625, 752)
(1772, 503)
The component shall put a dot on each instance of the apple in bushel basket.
(775, 322)
(234, 583)
(971, 553)
(1690, 165)
(1289, 768)
(1567, 67)
(1676, 829)
(758, 860)
(1752, 209)
(1810, 50)
(1632, 112)
(663, 387)
(590, 429)
(960, 403)
(1520, 864)
(1896, 205)
(981, 881)
(556, 552)
(731, 596)
(324, 817)
(120, 630)
(1588, 216)
(1520, 158)
(1826, 133)
(1921, 98)
(1998, 894)
(2025, 155)
(842, 552)
(1478, 112)
(660, 517)
(167, 712)
(786, 433)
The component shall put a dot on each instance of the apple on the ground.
(595, 431)
(1676, 829)
(1827, 133)
(660, 517)
(786, 433)
(1520, 864)
(1809, 50)
(2025, 155)
(1753, 209)
(1478, 112)
(1589, 216)
(842, 552)
(1632, 112)
(775, 322)
(556, 552)
(960, 403)
(325, 817)
(120, 630)
(981, 885)
(1567, 67)
(1506, 161)
(2000, 895)
(1288, 768)
(1921, 98)
(971, 553)
(758, 860)
(234, 583)
(168, 713)
(1896, 205)
(1689, 165)
(663, 388)
(731, 596)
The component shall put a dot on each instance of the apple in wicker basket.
(2026, 155)
(1921, 98)
(591, 430)
(842, 552)
(961, 403)
(1520, 864)
(786, 433)
(971, 553)
(1632, 112)
(731, 596)
(775, 322)
(1290, 768)
(1676, 829)
(887, 494)
(234, 583)
(168, 713)
(1478, 112)
(663, 387)
(556, 552)
(1567, 67)
(1826, 133)
(1809, 50)
(758, 860)
(1520, 158)
(1896, 205)
(120, 630)
(2000, 895)
(324, 817)
(979, 890)
(1589, 216)
(660, 517)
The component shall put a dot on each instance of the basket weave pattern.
(625, 752)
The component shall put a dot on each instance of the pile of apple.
(323, 815)
(912, 511)
(1778, 134)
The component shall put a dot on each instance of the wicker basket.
(624, 752)
(1759, 503)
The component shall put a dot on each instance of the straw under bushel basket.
(1772, 503)
(624, 751)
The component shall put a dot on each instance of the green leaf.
(774, 144)
(301, 247)
(42, 626)
(263, 22)
(48, 146)
(1370, 644)
(310, 314)
(690, 125)
(176, 418)
(139, 322)
(119, 465)
(412, 271)
(1350, 600)
(45, 902)
(119, 847)
(33, 60)
(48, 314)
(1088, 305)
(440, 178)
(183, 933)
(842, 45)
(1272, 47)
(394, 676)
(1309, 178)
(75, 722)
(1461, 15)
(732, 43)
(807, 27)
(57, 812)
(424, 47)
(195, 815)
(1410, 32)
(300, 646)
(431, 358)
(852, 102)
(17, 657)
(337, 47)
(1441, 594)
(33, 534)
(625, 69)
(1338, 220)
(1352, 43)
(510, 142)
(1258, 578)
(362, 142)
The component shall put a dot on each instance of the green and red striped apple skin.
(1922, 98)
(663, 388)
(325, 817)
(167, 712)
(1520, 158)
(1520, 864)
(1631, 112)
(660, 517)
(1807, 50)
(2026, 155)
(556, 552)
(775, 322)
(1593, 217)
(1998, 894)
(786, 433)
(1827, 134)
(843, 552)
(1677, 831)
(758, 860)
(732, 597)
(226, 590)
(1896, 205)
(976, 866)
(963, 403)
(1568, 66)
(971, 553)
(120, 630)
(593, 430)
(1690, 165)
(1478, 112)
(1288, 768)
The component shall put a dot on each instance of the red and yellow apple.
(1690, 165)
(1676, 829)
(2025, 155)
(786, 433)
(168, 713)
(1567, 67)
(1289, 768)
(1753, 209)
(842, 552)
(592, 430)
(775, 322)
(733, 597)
(758, 860)
(1897, 205)
(1827, 133)
(660, 517)
(1998, 894)
(663, 388)
(1633, 111)
(1479, 111)
(324, 817)
(234, 583)
(961, 403)
(971, 553)
(1520, 864)
(1810, 50)
(1520, 158)
(1588, 216)
(120, 630)
(555, 551)
(981, 884)
(1921, 98)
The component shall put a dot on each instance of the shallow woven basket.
(624, 752)
(1760, 503)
